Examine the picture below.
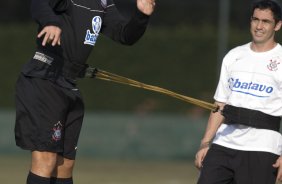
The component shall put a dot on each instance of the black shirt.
(81, 22)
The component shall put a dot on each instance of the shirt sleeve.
(43, 13)
(223, 90)
(121, 30)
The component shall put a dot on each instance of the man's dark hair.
(268, 4)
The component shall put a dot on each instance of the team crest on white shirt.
(273, 65)
(91, 38)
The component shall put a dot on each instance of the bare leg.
(64, 168)
(43, 163)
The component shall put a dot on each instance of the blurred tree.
(179, 48)
(14, 11)
(167, 12)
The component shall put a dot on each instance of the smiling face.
(263, 27)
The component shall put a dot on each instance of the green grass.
(14, 169)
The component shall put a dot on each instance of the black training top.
(81, 22)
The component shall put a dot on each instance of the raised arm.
(127, 31)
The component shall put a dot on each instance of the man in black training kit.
(49, 106)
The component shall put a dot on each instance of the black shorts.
(228, 166)
(48, 116)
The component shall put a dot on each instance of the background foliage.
(177, 52)
(181, 58)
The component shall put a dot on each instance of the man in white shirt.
(242, 143)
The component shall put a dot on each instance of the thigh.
(41, 109)
(74, 122)
(43, 163)
(64, 168)
(256, 168)
(216, 169)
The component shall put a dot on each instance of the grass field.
(13, 170)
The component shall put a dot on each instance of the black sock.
(35, 179)
(61, 180)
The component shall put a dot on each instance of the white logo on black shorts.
(57, 131)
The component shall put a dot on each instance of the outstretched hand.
(146, 6)
(52, 34)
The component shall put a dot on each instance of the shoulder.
(278, 48)
(239, 50)
(237, 53)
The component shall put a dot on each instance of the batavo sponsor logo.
(250, 88)
(91, 38)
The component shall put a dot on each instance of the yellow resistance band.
(100, 74)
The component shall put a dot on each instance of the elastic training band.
(103, 75)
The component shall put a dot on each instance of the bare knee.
(64, 168)
(43, 163)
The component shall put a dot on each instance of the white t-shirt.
(251, 80)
